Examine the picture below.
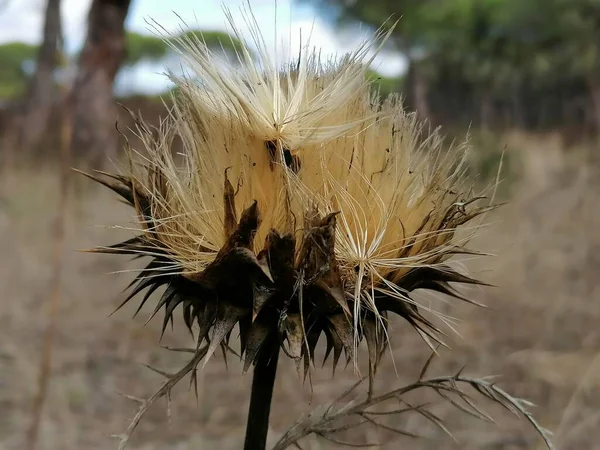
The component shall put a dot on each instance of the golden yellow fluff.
(312, 148)
(363, 158)
(224, 116)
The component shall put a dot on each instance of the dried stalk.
(327, 420)
(164, 390)
(53, 302)
(259, 410)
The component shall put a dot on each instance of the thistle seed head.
(303, 205)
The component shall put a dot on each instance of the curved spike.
(244, 257)
(170, 306)
(139, 288)
(148, 271)
(329, 344)
(260, 296)
(264, 267)
(188, 319)
(245, 324)
(447, 274)
(150, 291)
(257, 335)
(329, 299)
(143, 284)
(166, 297)
(338, 346)
(227, 316)
(444, 288)
(344, 331)
(243, 235)
(133, 246)
(205, 316)
(120, 188)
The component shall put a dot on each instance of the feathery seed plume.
(303, 205)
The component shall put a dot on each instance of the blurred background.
(522, 77)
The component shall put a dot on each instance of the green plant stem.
(261, 395)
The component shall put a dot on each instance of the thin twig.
(53, 302)
(164, 390)
(324, 420)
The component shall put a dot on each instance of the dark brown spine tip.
(330, 219)
(279, 251)
(250, 220)
(251, 216)
(244, 232)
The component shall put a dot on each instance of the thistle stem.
(261, 395)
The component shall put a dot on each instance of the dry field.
(541, 332)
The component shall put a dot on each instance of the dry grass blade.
(165, 390)
(327, 419)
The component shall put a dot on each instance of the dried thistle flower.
(303, 206)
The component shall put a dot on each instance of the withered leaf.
(294, 332)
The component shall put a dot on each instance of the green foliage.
(506, 54)
(10, 90)
(13, 57)
(385, 85)
(144, 47)
(14, 54)
(567, 33)
(490, 157)
(141, 47)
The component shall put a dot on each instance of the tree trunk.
(519, 115)
(94, 113)
(42, 90)
(593, 85)
(418, 90)
(421, 92)
(487, 108)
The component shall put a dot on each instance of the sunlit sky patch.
(21, 20)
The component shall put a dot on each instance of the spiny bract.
(301, 205)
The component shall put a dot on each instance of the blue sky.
(21, 20)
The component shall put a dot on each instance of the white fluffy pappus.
(304, 138)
